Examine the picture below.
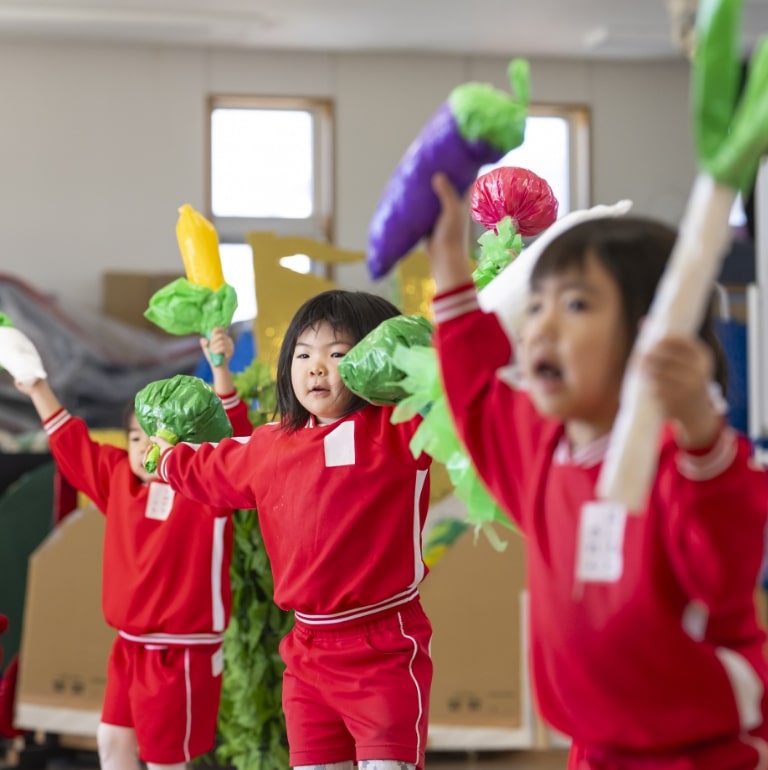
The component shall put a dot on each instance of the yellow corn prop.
(199, 246)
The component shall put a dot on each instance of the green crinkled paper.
(183, 308)
(4, 320)
(437, 437)
(731, 132)
(484, 113)
(496, 251)
(369, 370)
(182, 408)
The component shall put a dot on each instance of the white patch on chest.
(600, 555)
(159, 502)
(339, 445)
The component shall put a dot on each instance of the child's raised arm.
(447, 245)
(220, 347)
(43, 398)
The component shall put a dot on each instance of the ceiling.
(592, 29)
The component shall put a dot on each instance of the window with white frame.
(556, 147)
(270, 168)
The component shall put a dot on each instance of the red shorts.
(168, 695)
(738, 753)
(360, 691)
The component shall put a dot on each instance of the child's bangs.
(566, 253)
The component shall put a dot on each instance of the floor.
(555, 759)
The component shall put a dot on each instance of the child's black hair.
(634, 251)
(129, 409)
(356, 313)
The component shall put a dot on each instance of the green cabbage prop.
(397, 364)
(182, 408)
(369, 369)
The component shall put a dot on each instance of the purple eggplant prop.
(476, 125)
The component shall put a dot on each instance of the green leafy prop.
(257, 388)
(4, 320)
(369, 369)
(182, 307)
(497, 250)
(395, 363)
(182, 408)
(251, 725)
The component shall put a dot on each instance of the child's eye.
(338, 354)
(534, 306)
(302, 355)
(576, 304)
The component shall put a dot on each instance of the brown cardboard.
(65, 641)
(475, 597)
(126, 295)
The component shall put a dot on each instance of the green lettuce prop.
(182, 408)
(369, 369)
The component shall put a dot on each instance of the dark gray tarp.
(95, 364)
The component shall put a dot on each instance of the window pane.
(545, 152)
(261, 163)
(237, 266)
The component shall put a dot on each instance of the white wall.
(100, 144)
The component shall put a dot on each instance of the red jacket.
(667, 653)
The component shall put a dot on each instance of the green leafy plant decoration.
(251, 726)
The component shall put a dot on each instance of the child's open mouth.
(547, 371)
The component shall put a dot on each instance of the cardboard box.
(125, 296)
(65, 641)
(476, 599)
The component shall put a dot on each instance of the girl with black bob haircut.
(341, 503)
(354, 313)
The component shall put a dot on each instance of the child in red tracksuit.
(341, 503)
(645, 645)
(165, 584)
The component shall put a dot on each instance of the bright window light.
(545, 151)
(299, 263)
(237, 266)
(262, 163)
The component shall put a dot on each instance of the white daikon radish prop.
(18, 355)
(731, 136)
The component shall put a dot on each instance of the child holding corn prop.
(730, 137)
(202, 301)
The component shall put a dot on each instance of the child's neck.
(581, 433)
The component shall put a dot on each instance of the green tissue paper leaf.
(369, 370)
(183, 308)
